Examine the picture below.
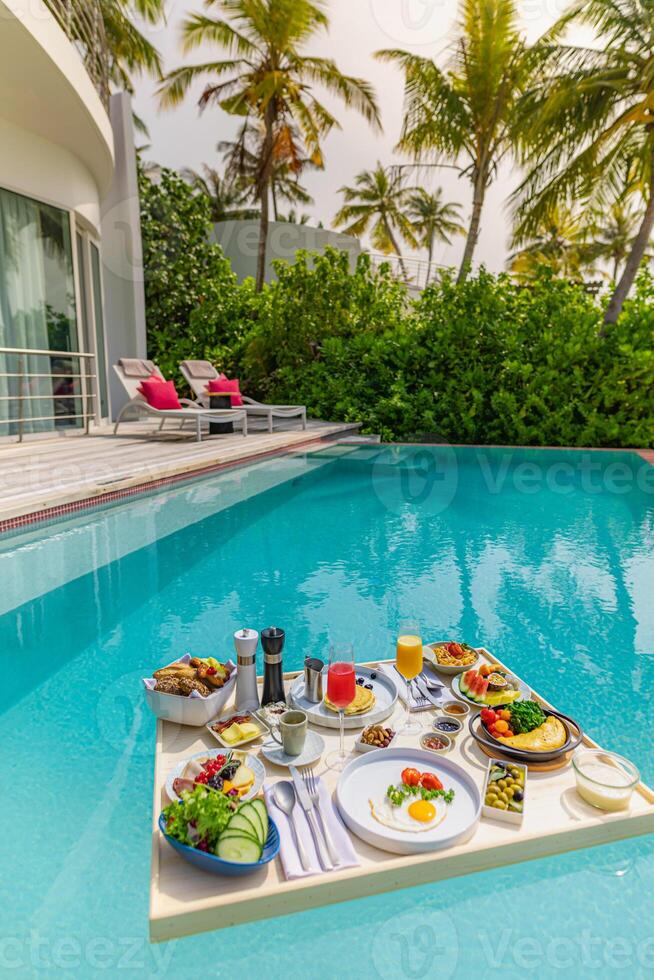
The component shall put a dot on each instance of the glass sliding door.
(38, 391)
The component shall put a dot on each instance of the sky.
(183, 137)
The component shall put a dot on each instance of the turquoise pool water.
(545, 557)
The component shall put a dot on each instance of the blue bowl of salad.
(207, 830)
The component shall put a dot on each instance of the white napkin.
(436, 692)
(288, 853)
(151, 683)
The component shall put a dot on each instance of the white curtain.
(23, 313)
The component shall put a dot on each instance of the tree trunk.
(396, 247)
(274, 200)
(264, 194)
(632, 264)
(473, 230)
(430, 255)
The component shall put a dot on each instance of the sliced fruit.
(243, 777)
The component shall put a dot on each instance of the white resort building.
(71, 294)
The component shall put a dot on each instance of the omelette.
(547, 737)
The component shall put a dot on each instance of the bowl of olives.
(505, 791)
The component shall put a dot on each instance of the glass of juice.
(408, 660)
(341, 690)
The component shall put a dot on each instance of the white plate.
(369, 776)
(383, 688)
(525, 691)
(313, 749)
(250, 761)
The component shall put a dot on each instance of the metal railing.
(83, 24)
(416, 273)
(88, 388)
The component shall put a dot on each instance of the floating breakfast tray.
(184, 901)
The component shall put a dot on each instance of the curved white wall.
(39, 169)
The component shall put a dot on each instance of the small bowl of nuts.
(375, 737)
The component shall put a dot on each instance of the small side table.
(220, 401)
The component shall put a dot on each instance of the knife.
(424, 690)
(304, 800)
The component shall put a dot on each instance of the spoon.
(285, 799)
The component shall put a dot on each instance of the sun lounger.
(199, 373)
(132, 371)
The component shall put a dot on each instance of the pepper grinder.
(247, 694)
(272, 641)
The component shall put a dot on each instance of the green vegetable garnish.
(202, 811)
(397, 794)
(525, 716)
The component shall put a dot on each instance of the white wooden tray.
(183, 901)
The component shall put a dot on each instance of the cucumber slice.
(262, 812)
(242, 850)
(240, 822)
(252, 814)
(239, 833)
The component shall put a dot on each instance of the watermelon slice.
(467, 680)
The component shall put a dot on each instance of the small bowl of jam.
(436, 742)
(455, 709)
(448, 726)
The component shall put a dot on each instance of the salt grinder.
(247, 694)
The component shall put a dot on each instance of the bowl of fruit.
(526, 731)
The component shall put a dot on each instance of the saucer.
(313, 749)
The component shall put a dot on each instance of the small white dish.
(263, 730)
(361, 746)
(504, 816)
(441, 726)
(250, 761)
(313, 748)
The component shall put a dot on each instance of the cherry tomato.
(504, 714)
(429, 781)
(488, 716)
(509, 733)
(501, 726)
(410, 777)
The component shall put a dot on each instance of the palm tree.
(242, 161)
(129, 50)
(434, 219)
(266, 77)
(378, 199)
(466, 112)
(591, 121)
(561, 241)
(613, 234)
(228, 198)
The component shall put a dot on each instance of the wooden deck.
(52, 472)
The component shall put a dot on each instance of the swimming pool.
(545, 557)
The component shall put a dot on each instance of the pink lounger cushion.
(160, 394)
(225, 386)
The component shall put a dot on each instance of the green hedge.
(488, 361)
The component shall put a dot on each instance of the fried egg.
(413, 816)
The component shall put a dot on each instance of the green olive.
(502, 796)
(510, 790)
(491, 800)
(500, 805)
(515, 773)
(501, 783)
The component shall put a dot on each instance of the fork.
(314, 796)
(419, 699)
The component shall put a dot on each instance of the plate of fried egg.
(405, 801)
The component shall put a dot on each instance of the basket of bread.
(191, 690)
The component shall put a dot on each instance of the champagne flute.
(408, 660)
(341, 691)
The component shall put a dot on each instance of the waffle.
(364, 700)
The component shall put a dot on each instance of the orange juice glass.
(408, 660)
